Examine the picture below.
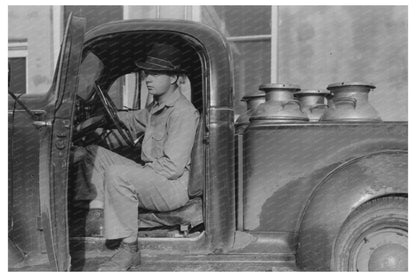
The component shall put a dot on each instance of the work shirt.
(170, 128)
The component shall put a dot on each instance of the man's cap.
(162, 57)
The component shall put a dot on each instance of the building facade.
(311, 46)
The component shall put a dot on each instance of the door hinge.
(40, 124)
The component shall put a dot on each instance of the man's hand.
(77, 153)
(90, 124)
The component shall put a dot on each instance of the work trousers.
(124, 186)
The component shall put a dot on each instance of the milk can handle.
(317, 106)
(292, 102)
(348, 100)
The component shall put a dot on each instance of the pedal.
(184, 229)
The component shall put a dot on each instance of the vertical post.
(186, 12)
(240, 185)
(157, 11)
(126, 12)
(274, 78)
(196, 13)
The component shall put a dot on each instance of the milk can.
(252, 101)
(280, 105)
(313, 102)
(350, 103)
(329, 98)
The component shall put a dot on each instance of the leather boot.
(127, 256)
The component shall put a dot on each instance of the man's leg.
(89, 188)
(129, 187)
(126, 189)
(90, 185)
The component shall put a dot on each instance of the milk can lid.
(312, 92)
(348, 84)
(284, 86)
(253, 96)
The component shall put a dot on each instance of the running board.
(168, 262)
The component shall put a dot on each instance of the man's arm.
(181, 131)
(135, 121)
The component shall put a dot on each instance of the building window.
(248, 30)
(18, 66)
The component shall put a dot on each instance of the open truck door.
(54, 192)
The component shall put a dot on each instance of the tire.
(374, 237)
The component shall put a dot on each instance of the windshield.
(89, 71)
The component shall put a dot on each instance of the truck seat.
(191, 213)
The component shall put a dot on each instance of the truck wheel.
(373, 238)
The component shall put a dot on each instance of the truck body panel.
(284, 163)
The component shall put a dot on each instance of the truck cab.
(275, 196)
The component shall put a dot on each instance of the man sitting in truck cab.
(121, 185)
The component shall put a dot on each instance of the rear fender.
(342, 191)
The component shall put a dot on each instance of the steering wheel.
(111, 111)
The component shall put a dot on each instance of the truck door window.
(130, 92)
(125, 91)
(89, 71)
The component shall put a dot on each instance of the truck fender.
(343, 190)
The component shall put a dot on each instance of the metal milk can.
(329, 98)
(350, 103)
(280, 105)
(252, 102)
(313, 103)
